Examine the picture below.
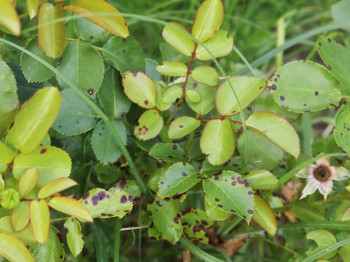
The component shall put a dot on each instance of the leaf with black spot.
(167, 152)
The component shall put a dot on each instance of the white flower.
(321, 176)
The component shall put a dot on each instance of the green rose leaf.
(342, 128)
(340, 13)
(218, 141)
(206, 94)
(76, 66)
(33, 70)
(205, 75)
(277, 130)
(228, 191)
(34, 119)
(88, 31)
(33, 8)
(171, 94)
(174, 34)
(178, 178)
(103, 143)
(40, 219)
(52, 163)
(14, 249)
(166, 218)
(195, 221)
(74, 236)
(182, 126)
(262, 179)
(25, 235)
(51, 29)
(246, 90)
(115, 202)
(305, 86)
(215, 213)
(149, 125)
(125, 54)
(9, 18)
(161, 90)
(6, 120)
(172, 69)
(140, 89)
(264, 215)
(193, 96)
(8, 89)
(20, 216)
(75, 116)
(167, 152)
(6, 156)
(323, 238)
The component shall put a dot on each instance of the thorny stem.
(177, 106)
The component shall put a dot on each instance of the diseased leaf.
(264, 215)
(172, 69)
(125, 54)
(101, 203)
(228, 191)
(166, 218)
(195, 222)
(244, 88)
(342, 127)
(167, 152)
(214, 212)
(183, 126)
(13, 249)
(103, 143)
(305, 86)
(55, 186)
(178, 178)
(52, 163)
(208, 19)
(205, 105)
(76, 66)
(219, 45)
(205, 75)
(161, 90)
(8, 89)
(88, 31)
(28, 181)
(9, 19)
(52, 250)
(149, 125)
(75, 116)
(34, 119)
(40, 220)
(218, 141)
(175, 35)
(33, 70)
(113, 22)
(20, 216)
(51, 29)
(71, 207)
(74, 236)
(140, 89)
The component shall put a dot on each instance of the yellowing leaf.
(172, 69)
(20, 216)
(74, 236)
(71, 207)
(6, 156)
(208, 19)
(93, 10)
(9, 18)
(149, 125)
(14, 249)
(174, 34)
(183, 126)
(205, 75)
(25, 235)
(40, 220)
(140, 89)
(32, 7)
(56, 186)
(51, 30)
(264, 215)
(27, 181)
(34, 119)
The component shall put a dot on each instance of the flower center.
(322, 173)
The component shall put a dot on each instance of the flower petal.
(324, 161)
(310, 188)
(325, 188)
(341, 173)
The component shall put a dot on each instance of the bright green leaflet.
(52, 250)
(33, 70)
(12, 249)
(207, 93)
(277, 130)
(140, 89)
(26, 235)
(305, 86)
(178, 178)
(88, 31)
(173, 34)
(6, 156)
(259, 151)
(194, 224)
(323, 238)
(35, 119)
(9, 19)
(205, 75)
(82, 65)
(214, 212)
(193, 96)
(52, 163)
(111, 95)
(264, 215)
(342, 128)
(218, 141)
(246, 89)
(337, 58)
(124, 54)
(208, 19)
(149, 125)
(262, 179)
(167, 152)
(234, 164)
(20, 216)
(182, 126)
(8, 89)
(75, 116)
(166, 218)
(171, 94)
(105, 147)
(106, 204)
(161, 90)
(230, 192)
(172, 68)
(74, 236)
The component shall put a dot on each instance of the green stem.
(118, 226)
(198, 252)
(98, 111)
